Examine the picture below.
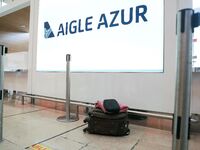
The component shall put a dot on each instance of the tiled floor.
(25, 126)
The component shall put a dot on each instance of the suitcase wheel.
(85, 130)
(127, 132)
(86, 120)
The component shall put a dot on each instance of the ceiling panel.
(16, 22)
(14, 30)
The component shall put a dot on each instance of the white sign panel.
(101, 35)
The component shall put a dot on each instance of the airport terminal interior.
(85, 75)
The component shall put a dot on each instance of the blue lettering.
(141, 14)
(66, 29)
(102, 21)
(127, 17)
(72, 28)
(130, 17)
(79, 26)
(61, 30)
(112, 24)
(87, 23)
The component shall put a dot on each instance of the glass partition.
(2, 3)
(6, 2)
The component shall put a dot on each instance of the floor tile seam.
(83, 146)
(74, 140)
(133, 147)
(154, 143)
(23, 113)
(12, 142)
(27, 147)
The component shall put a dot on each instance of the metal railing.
(85, 104)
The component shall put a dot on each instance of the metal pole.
(183, 79)
(69, 117)
(2, 51)
(67, 87)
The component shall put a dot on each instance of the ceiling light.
(22, 26)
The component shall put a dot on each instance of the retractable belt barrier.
(187, 20)
(68, 117)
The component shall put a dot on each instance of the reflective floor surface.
(34, 127)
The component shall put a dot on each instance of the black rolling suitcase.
(107, 124)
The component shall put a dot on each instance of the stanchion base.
(72, 118)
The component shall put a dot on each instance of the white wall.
(150, 91)
(16, 81)
(181, 4)
(146, 88)
(147, 91)
(16, 61)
